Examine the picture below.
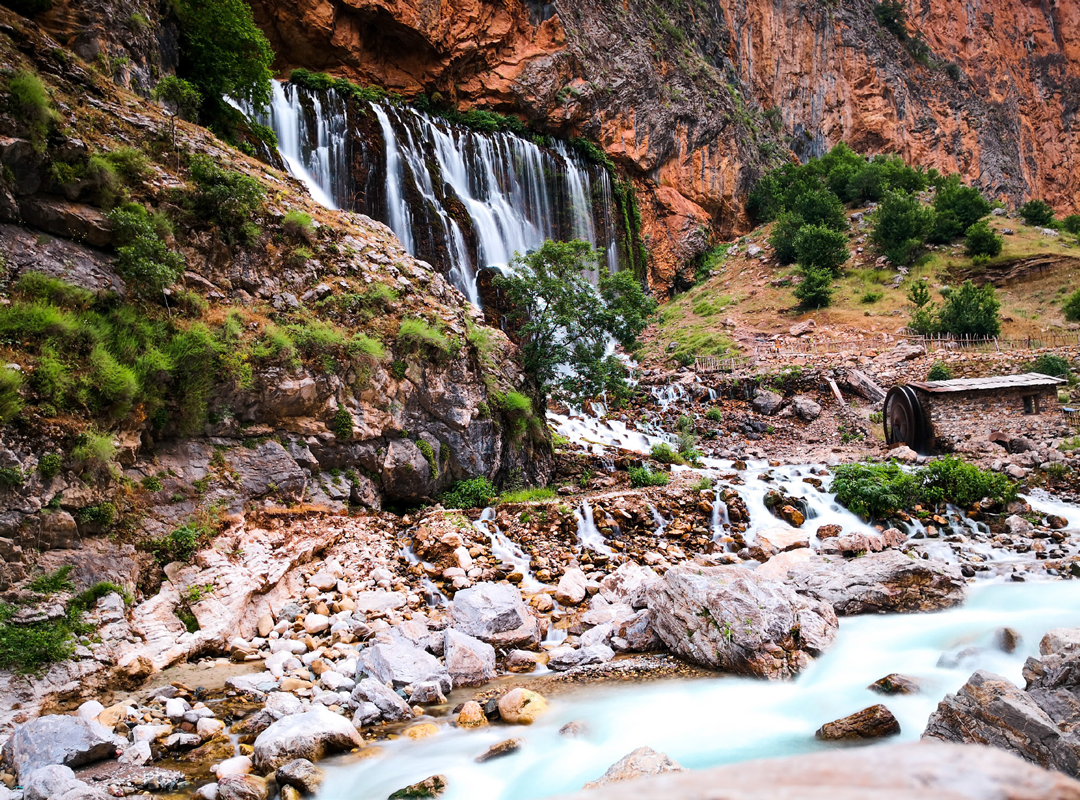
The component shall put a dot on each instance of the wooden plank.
(836, 392)
(862, 384)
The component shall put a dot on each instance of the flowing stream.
(721, 720)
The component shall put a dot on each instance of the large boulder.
(50, 782)
(469, 661)
(496, 614)
(638, 764)
(728, 618)
(311, 735)
(383, 701)
(879, 582)
(57, 739)
(401, 664)
(766, 402)
(572, 587)
(916, 771)
(1040, 724)
(805, 408)
(627, 585)
(874, 722)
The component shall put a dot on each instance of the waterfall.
(455, 197)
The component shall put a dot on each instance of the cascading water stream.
(456, 197)
(506, 551)
(588, 534)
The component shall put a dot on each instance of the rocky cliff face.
(682, 96)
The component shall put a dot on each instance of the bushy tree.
(982, 241)
(1037, 213)
(901, 224)
(819, 247)
(1071, 224)
(821, 207)
(782, 238)
(923, 318)
(816, 289)
(143, 258)
(970, 311)
(564, 323)
(1071, 307)
(957, 207)
(892, 16)
(223, 52)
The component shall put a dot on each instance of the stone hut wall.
(975, 414)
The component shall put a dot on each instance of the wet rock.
(828, 531)
(301, 774)
(429, 787)
(1007, 640)
(501, 749)
(805, 408)
(471, 716)
(495, 613)
(522, 661)
(310, 734)
(879, 582)
(426, 693)
(521, 706)
(470, 662)
(637, 634)
(779, 539)
(628, 585)
(57, 739)
(641, 763)
(401, 664)
(895, 684)
(766, 402)
(53, 781)
(730, 619)
(242, 787)
(386, 702)
(1018, 526)
(874, 722)
(574, 729)
(571, 589)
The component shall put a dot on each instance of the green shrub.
(816, 288)
(527, 495)
(663, 453)
(299, 224)
(471, 493)
(52, 582)
(950, 480)
(94, 450)
(223, 197)
(1050, 364)
(112, 380)
(379, 295)
(1037, 213)
(152, 483)
(970, 311)
(417, 335)
(11, 402)
(982, 241)
(398, 369)
(342, 426)
(892, 16)
(516, 409)
(130, 163)
(820, 247)
(28, 649)
(1071, 224)
(102, 514)
(30, 102)
(782, 239)
(957, 207)
(366, 348)
(180, 96)
(939, 372)
(143, 258)
(714, 414)
(900, 227)
(1071, 307)
(50, 464)
(641, 477)
(11, 477)
(428, 453)
(821, 208)
(871, 296)
(106, 181)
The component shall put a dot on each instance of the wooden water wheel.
(904, 420)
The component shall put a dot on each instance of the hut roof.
(1029, 380)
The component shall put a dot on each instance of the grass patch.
(527, 495)
(471, 493)
(641, 477)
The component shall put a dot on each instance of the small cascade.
(661, 523)
(720, 516)
(506, 551)
(432, 596)
(455, 197)
(666, 395)
(588, 534)
(312, 130)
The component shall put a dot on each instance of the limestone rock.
(730, 619)
(879, 582)
(571, 589)
(499, 750)
(57, 739)
(895, 684)
(50, 782)
(387, 703)
(311, 735)
(301, 774)
(805, 408)
(471, 716)
(766, 402)
(521, 706)
(495, 613)
(402, 664)
(469, 661)
(242, 787)
(874, 722)
(429, 787)
(641, 763)
(628, 584)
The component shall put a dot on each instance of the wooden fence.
(714, 364)
(859, 345)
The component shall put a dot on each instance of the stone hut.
(936, 415)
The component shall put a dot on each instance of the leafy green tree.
(224, 196)
(821, 208)
(1071, 307)
(892, 16)
(564, 324)
(819, 247)
(782, 238)
(923, 319)
(143, 258)
(970, 311)
(901, 224)
(1037, 213)
(957, 207)
(1071, 224)
(982, 241)
(816, 289)
(223, 52)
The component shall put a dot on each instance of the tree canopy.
(565, 324)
